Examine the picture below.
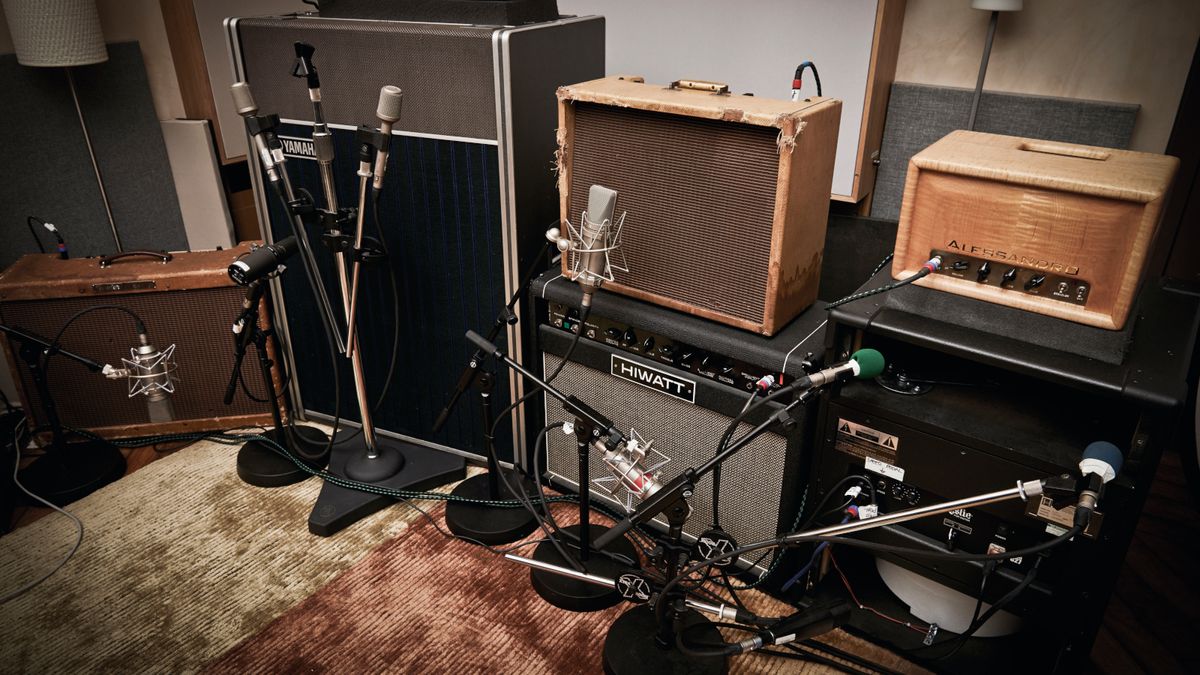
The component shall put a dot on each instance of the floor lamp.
(62, 34)
(995, 7)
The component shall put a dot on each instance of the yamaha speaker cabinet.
(468, 195)
(976, 397)
(187, 301)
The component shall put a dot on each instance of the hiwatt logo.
(300, 148)
(653, 378)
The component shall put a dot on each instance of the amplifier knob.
(613, 333)
(667, 351)
(984, 270)
(960, 265)
(1009, 276)
(648, 344)
(1035, 281)
(629, 337)
(689, 356)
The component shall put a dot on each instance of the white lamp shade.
(998, 5)
(55, 32)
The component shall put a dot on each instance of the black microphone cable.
(929, 267)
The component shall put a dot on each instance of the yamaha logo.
(653, 378)
(300, 148)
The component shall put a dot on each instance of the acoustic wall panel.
(920, 114)
(46, 170)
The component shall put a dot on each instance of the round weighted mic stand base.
(490, 525)
(386, 463)
(574, 595)
(632, 646)
(69, 472)
(261, 465)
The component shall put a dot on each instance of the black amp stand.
(258, 463)
(67, 471)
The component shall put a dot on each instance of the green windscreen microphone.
(864, 364)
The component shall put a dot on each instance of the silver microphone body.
(150, 374)
(391, 100)
(625, 463)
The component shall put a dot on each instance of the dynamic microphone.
(864, 364)
(391, 100)
(262, 261)
(598, 234)
(1100, 464)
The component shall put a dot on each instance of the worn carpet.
(423, 603)
(180, 561)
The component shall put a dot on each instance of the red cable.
(846, 583)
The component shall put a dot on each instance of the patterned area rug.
(180, 561)
(425, 603)
(185, 567)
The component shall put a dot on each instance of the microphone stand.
(590, 427)
(386, 462)
(67, 471)
(637, 643)
(258, 463)
(490, 525)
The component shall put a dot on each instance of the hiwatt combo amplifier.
(970, 404)
(725, 197)
(679, 379)
(468, 194)
(682, 398)
(1054, 228)
(187, 301)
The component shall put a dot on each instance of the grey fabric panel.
(920, 114)
(46, 170)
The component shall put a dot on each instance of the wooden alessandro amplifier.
(725, 196)
(187, 301)
(1053, 228)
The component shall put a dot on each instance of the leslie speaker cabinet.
(976, 397)
(468, 195)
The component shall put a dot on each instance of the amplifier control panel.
(657, 347)
(1054, 282)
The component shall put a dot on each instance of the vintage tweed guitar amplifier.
(1052, 228)
(187, 301)
(726, 196)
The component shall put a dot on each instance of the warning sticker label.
(863, 441)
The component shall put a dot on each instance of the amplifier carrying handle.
(162, 256)
(1064, 149)
(700, 85)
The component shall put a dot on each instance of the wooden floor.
(1154, 611)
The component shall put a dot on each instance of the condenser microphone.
(1100, 464)
(391, 100)
(595, 238)
(627, 463)
(262, 261)
(150, 373)
(863, 364)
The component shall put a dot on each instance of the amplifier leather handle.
(162, 256)
(700, 85)
(1064, 149)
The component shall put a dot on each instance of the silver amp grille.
(753, 480)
